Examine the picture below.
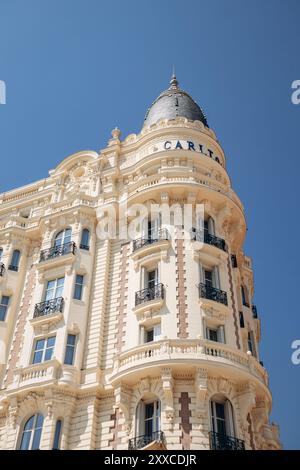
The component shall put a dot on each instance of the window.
(152, 334)
(3, 307)
(57, 435)
(1, 253)
(216, 334)
(54, 288)
(15, 260)
(152, 278)
(78, 287)
(222, 417)
(70, 350)
(208, 278)
(244, 296)
(63, 237)
(251, 343)
(31, 435)
(234, 261)
(43, 350)
(85, 239)
(242, 322)
(152, 418)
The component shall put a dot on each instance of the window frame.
(73, 346)
(2, 306)
(36, 430)
(85, 246)
(45, 348)
(79, 286)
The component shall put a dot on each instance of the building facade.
(145, 343)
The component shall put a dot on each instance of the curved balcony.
(151, 298)
(207, 238)
(161, 235)
(144, 247)
(2, 269)
(156, 439)
(48, 307)
(212, 293)
(220, 441)
(57, 251)
(148, 359)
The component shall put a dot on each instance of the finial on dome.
(173, 81)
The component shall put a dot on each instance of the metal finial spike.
(174, 81)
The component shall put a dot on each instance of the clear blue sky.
(74, 69)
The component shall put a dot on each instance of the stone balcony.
(147, 359)
(36, 374)
(44, 373)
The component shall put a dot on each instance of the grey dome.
(174, 102)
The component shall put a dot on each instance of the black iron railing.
(205, 237)
(150, 293)
(254, 311)
(55, 251)
(2, 269)
(161, 234)
(220, 441)
(12, 267)
(212, 293)
(48, 307)
(141, 441)
(84, 247)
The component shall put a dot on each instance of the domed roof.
(174, 102)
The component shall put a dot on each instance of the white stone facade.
(114, 370)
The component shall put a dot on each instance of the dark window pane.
(36, 439)
(71, 340)
(39, 344)
(29, 424)
(56, 441)
(69, 355)
(39, 421)
(37, 358)
(220, 410)
(48, 354)
(51, 341)
(25, 440)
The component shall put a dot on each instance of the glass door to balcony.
(218, 418)
(152, 418)
(54, 289)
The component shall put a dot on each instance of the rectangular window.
(78, 287)
(216, 334)
(54, 288)
(3, 307)
(208, 278)
(152, 334)
(70, 350)
(43, 350)
(152, 278)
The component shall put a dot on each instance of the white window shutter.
(211, 226)
(157, 332)
(216, 279)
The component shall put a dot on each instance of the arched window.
(148, 418)
(63, 237)
(57, 435)
(222, 423)
(31, 434)
(15, 260)
(85, 239)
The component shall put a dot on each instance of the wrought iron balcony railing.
(205, 237)
(49, 306)
(2, 269)
(220, 441)
(150, 293)
(161, 234)
(82, 246)
(212, 293)
(12, 267)
(55, 251)
(141, 441)
(254, 311)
